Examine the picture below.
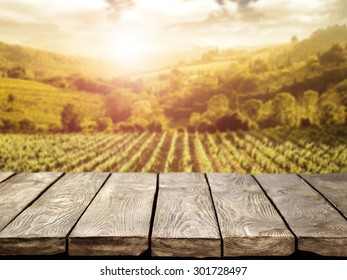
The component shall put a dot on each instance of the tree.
(118, 107)
(313, 62)
(310, 107)
(259, 66)
(70, 118)
(157, 124)
(332, 114)
(233, 121)
(328, 110)
(284, 108)
(10, 98)
(217, 106)
(335, 55)
(254, 109)
(267, 118)
(195, 119)
(104, 124)
(294, 39)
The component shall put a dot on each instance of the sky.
(129, 30)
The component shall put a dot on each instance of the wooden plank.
(317, 225)
(332, 186)
(185, 224)
(118, 220)
(249, 223)
(5, 175)
(19, 191)
(42, 228)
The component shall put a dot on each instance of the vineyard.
(261, 151)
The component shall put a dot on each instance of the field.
(42, 103)
(308, 150)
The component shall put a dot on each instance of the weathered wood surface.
(318, 226)
(185, 224)
(5, 175)
(39, 210)
(249, 223)
(19, 191)
(118, 220)
(43, 227)
(332, 186)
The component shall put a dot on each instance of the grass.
(43, 103)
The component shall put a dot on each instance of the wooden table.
(190, 215)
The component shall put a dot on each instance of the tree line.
(286, 86)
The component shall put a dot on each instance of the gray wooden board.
(332, 186)
(19, 191)
(249, 223)
(185, 224)
(43, 227)
(5, 175)
(118, 220)
(319, 227)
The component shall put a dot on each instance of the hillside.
(318, 63)
(42, 64)
(320, 41)
(224, 89)
(43, 104)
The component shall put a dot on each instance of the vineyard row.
(263, 151)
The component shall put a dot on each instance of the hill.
(319, 41)
(224, 89)
(42, 64)
(42, 104)
(318, 63)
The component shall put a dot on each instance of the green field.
(260, 151)
(42, 103)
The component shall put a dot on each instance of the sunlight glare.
(129, 51)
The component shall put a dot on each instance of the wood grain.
(43, 227)
(5, 175)
(118, 220)
(332, 186)
(19, 191)
(318, 226)
(249, 223)
(185, 224)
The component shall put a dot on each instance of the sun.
(129, 50)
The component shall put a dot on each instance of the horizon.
(142, 35)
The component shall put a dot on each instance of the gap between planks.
(250, 225)
(307, 243)
(42, 228)
(318, 226)
(118, 220)
(185, 224)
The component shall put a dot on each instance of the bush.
(57, 81)
(54, 128)
(70, 119)
(234, 121)
(9, 125)
(104, 124)
(27, 125)
(206, 126)
(127, 127)
(17, 73)
(155, 126)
